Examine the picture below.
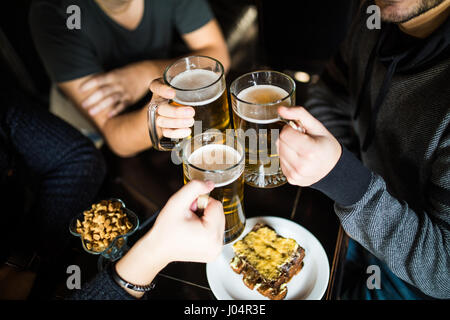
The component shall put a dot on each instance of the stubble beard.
(388, 14)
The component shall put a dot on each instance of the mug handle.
(163, 143)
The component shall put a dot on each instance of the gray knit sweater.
(396, 202)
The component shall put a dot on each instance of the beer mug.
(199, 82)
(255, 99)
(219, 157)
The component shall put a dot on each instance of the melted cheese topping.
(266, 251)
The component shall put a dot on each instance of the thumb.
(310, 124)
(190, 192)
(159, 88)
(214, 215)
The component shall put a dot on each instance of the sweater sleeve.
(102, 287)
(414, 243)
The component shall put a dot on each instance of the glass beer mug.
(199, 82)
(220, 158)
(255, 99)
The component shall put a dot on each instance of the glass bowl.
(118, 246)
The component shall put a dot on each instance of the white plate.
(309, 284)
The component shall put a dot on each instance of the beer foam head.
(262, 103)
(216, 157)
(263, 94)
(197, 84)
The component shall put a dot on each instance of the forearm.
(146, 71)
(413, 244)
(141, 264)
(217, 52)
(128, 134)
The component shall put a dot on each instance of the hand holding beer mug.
(170, 121)
(306, 157)
(220, 158)
(195, 81)
(255, 98)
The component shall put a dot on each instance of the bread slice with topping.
(267, 261)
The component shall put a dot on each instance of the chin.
(393, 11)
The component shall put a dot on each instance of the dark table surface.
(147, 181)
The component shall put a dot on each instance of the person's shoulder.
(44, 9)
(365, 25)
(49, 11)
(55, 7)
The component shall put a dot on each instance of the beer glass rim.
(186, 160)
(222, 72)
(235, 94)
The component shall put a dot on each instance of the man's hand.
(306, 158)
(117, 89)
(108, 95)
(171, 121)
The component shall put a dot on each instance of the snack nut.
(102, 224)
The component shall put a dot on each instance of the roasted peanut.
(102, 224)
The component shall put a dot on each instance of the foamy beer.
(255, 98)
(220, 158)
(199, 82)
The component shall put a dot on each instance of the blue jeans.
(355, 286)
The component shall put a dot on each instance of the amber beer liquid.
(198, 81)
(223, 165)
(207, 94)
(257, 122)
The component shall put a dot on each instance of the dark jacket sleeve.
(102, 287)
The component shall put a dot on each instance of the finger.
(311, 124)
(213, 216)
(100, 94)
(173, 123)
(295, 163)
(299, 142)
(160, 88)
(176, 133)
(288, 155)
(169, 111)
(117, 109)
(290, 173)
(97, 81)
(108, 102)
(185, 197)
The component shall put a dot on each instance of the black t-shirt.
(101, 44)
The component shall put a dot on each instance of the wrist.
(347, 182)
(155, 248)
(141, 264)
(151, 71)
